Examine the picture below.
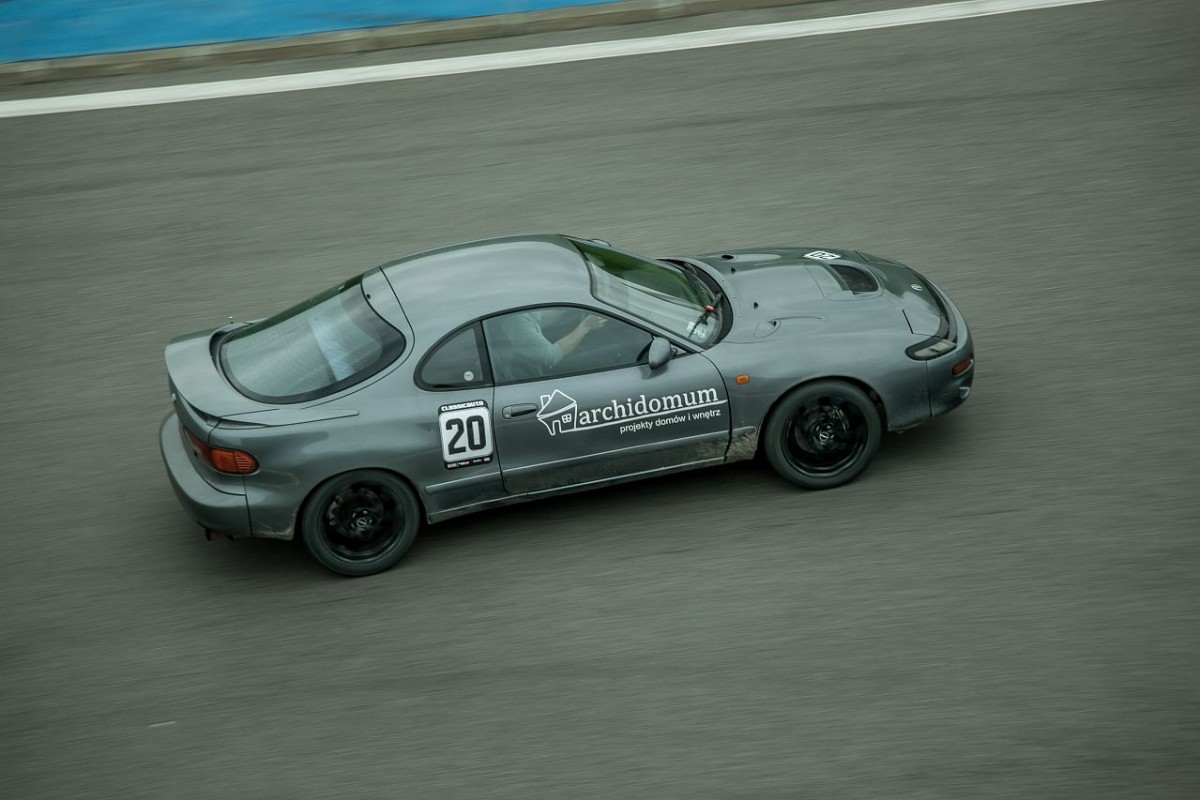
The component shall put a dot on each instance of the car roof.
(441, 289)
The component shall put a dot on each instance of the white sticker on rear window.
(822, 255)
(466, 431)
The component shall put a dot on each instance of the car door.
(456, 397)
(597, 412)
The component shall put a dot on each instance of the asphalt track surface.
(1006, 605)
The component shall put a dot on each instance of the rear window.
(318, 347)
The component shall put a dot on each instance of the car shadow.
(624, 510)
(925, 443)
(747, 484)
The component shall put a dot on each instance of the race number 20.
(466, 430)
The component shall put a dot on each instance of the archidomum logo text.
(561, 414)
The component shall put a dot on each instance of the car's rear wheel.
(360, 523)
(823, 434)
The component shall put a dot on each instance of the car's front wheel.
(823, 434)
(360, 523)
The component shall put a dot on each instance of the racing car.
(487, 373)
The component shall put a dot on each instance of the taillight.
(222, 459)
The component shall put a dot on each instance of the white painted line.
(162, 724)
(245, 87)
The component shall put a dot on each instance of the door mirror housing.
(660, 353)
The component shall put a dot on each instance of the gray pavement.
(1006, 605)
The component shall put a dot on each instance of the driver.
(522, 349)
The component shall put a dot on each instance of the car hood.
(823, 287)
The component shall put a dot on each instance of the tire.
(823, 434)
(360, 523)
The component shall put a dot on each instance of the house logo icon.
(558, 412)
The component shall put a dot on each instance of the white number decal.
(466, 430)
(823, 255)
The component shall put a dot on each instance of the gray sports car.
(509, 369)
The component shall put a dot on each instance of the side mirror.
(660, 353)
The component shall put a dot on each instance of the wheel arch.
(298, 520)
(875, 396)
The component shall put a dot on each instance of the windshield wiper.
(692, 272)
(711, 308)
(715, 298)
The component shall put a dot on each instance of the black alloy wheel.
(823, 434)
(360, 523)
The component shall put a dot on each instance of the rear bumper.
(211, 508)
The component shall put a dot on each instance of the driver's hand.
(591, 323)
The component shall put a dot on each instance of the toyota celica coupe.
(487, 373)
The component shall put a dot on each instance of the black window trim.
(687, 348)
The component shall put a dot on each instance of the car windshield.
(664, 294)
(320, 346)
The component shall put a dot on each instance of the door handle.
(519, 410)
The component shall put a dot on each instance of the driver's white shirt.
(522, 338)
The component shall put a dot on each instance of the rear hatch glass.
(323, 345)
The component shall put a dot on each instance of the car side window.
(553, 341)
(455, 363)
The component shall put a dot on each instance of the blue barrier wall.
(33, 29)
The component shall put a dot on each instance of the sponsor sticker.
(561, 414)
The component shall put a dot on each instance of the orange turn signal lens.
(963, 365)
(743, 379)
